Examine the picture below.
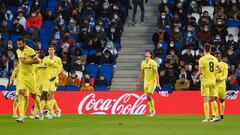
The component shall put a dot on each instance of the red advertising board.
(127, 102)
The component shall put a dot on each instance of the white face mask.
(112, 30)
(177, 30)
(60, 17)
(71, 20)
(9, 11)
(171, 45)
(160, 45)
(98, 29)
(163, 16)
(115, 17)
(189, 35)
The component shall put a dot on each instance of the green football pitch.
(121, 125)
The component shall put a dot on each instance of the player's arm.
(35, 60)
(155, 68)
(140, 78)
(225, 74)
(219, 68)
(13, 76)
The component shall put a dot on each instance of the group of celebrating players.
(36, 74)
(214, 73)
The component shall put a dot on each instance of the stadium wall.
(122, 102)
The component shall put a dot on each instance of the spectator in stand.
(4, 29)
(107, 58)
(182, 83)
(8, 15)
(60, 22)
(17, 28)
(237, 74)
(49, 16)
(231, 80)
(115, 36)
(188, 56)
(87, 82)
(177, 35)
(73, 79)
(73, 27)
(62, 79)
(164, 20)
(204, 36)
(22, 19)
(35, 20)
(137, 3)
(3, 46)
(234, 13)
(110, 47)
(194, 7)
(101, 81)
(160, 36)
(220, 28)
(67, 39)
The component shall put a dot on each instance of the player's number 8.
(211, 66)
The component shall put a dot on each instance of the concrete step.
(138, 34)
(133, 41)
(127, 72)
(125, 79)
(127, 68)
(133, 46)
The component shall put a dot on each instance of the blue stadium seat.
(14, 38)
(2, 87)
(11, 88)
(108, 76)
(48, 25)
(14, 10)
(85, 52)
(72, 88)
(179, 47)
(31, 44)
(52, 3)
(167, 88)
(60, 88)
(5, 37)
(233, 23)
(75, 37)
(101, 88)
(164, 46)
(93, 69)
(106, 68)
(92, 52)
(236, 88)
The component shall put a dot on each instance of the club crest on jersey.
(232, 95)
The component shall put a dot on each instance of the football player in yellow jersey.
(56, 70)
(221, 83)
(26, 77)
(207, 67)
(149, 72)
(15, 102)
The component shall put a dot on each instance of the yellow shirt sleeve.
(14, 73)
(225, 72)
(154, 65)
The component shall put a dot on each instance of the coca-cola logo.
(129, 103)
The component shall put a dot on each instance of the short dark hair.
(207, 47)
(21, 39)
(52, 46)
(149, 52)
(218, 52)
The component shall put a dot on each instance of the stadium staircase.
(135, 41)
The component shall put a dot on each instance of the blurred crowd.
(184, 26)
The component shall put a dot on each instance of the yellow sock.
(25, 104)
(206, 109)
(35, 110)
(37, 103)
(215, 108)
(222, 107)
(152, 104)
(55, 105)
(42, 105)
(21, 106)
(213, 111)
(149, 106)
(50, 106)
(15, 105)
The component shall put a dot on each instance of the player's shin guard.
(215, 108)
(25, 104)
(21, 106)
(15, 106)
(222, 107)
(50, 106)
(152, 105)
(149, 106)
(37, 103)
(206, 110)
(55, 105)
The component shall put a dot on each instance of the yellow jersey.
(26, 54)
(223, 75)
(43, 70)
(56, 70)
(149, 71)
(14, 73)
(209, 65)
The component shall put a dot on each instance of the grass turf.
(120, 125)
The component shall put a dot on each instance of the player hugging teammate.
(38, 75)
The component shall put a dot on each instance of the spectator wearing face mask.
(17, 28)
(73, 79)
(87, 83)
(234, 13)
(220, 29)
(230, 40)
(100, 34)
(177, 35)
(164, 20)
(182, 83)
(115, 36)
(68, 39)
(205, 35)
(110, 47)
(22, 19)
(160, 36)
(35, 20)
(60, 22)
(194, 7)
(73, 27)
(57, 35)
(107, 58)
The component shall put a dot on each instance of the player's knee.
(221, 100)
(213, 99)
